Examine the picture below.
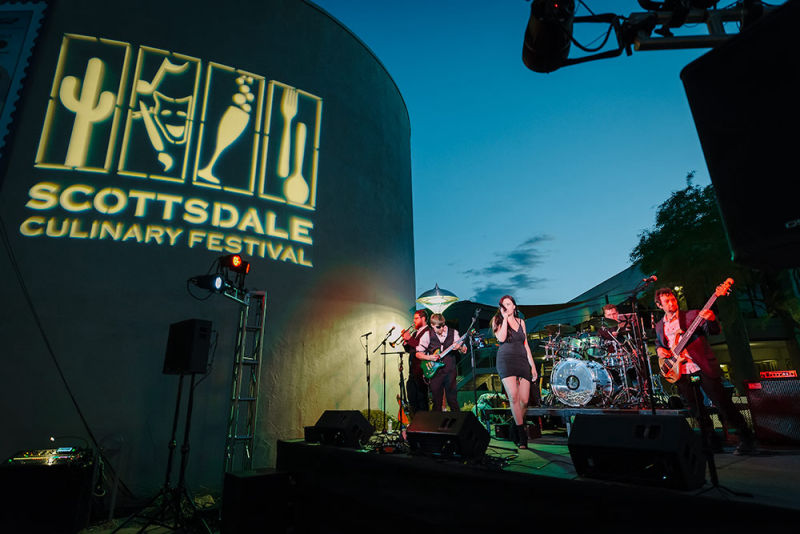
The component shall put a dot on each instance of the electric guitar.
(429, 367)
(671, 367)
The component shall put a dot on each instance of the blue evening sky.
(537, 185)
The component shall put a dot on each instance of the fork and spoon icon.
(295, 187)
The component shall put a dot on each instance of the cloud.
(490, 294)
(511, 271)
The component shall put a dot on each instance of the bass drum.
(578, 382)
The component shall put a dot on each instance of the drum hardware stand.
(625, 394)
(645, 390)
(173, 498)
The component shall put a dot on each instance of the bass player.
(697, 359)
(435, 340)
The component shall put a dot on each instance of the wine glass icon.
(232, 124)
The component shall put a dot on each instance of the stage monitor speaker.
(187, 347)
(652, 450)
(743, 97)
(340, 428)
(775, 409)
(458, 434)
(255, 498)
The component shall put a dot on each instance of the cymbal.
(557, 329)
(598, 322)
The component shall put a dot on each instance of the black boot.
(512, 433)
(522, 437)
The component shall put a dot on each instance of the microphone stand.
(383, 344)
(366, 352)
(474, 369)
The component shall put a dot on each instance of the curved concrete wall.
(150, 139)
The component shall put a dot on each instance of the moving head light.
(548, 34)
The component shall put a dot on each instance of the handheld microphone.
(367, 334)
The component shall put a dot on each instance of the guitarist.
(698, 359)
(438, 339)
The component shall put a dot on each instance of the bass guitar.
(671, 367)
(429, 367)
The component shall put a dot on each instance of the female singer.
(514, 364)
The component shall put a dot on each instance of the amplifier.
(775, 409)
(778, 374)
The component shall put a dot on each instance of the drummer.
(610, 312)
(614, 327)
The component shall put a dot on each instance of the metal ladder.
(240, 437)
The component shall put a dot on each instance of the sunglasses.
(438, 326)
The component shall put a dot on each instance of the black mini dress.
(512, 358)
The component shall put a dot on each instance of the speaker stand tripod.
(705, 434)
(171, 501)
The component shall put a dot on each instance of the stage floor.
(512, 488)
(345, 490)
(772, 477)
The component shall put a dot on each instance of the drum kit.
(596, 364)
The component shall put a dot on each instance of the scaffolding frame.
(240, 436)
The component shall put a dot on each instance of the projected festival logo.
(169, 150)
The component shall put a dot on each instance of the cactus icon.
(90, 107)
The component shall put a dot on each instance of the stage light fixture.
(235, 263)
(212, 282)
(548, 35)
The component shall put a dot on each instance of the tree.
(687, 247)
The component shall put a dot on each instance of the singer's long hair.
(497, 320)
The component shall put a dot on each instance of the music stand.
(403, 393)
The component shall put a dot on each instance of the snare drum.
(594, 346)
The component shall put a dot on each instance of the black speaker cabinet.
(651, 450)
(256, 500)
(340, 428)
(187, 347)
(448, 434)
(743, 97)
(46, 499)
(775, 409)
